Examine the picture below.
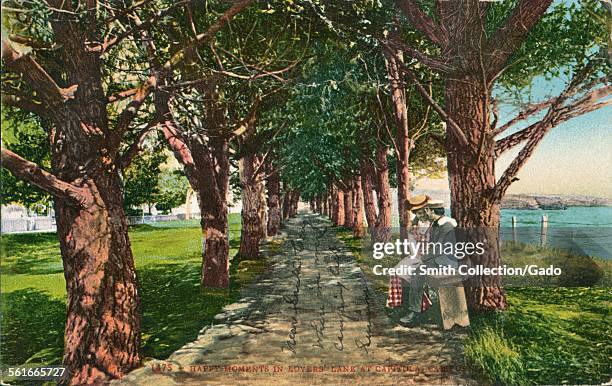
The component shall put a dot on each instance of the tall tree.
(225, 76)
(479, 44)
(103, 325)
(74, 87)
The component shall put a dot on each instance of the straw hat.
(423, 201)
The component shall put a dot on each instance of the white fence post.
(544, 231)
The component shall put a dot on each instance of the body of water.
(583, 230)
(577, 216)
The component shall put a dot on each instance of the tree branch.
(535, 108)
(207, 36)
(174, 136)
(248, 122)
(423, 23)
(136, 146)
(129, 113)
(512, 140)
(509, 37)
(454, 128)
(526, 113)
(122, 95)
(23, 104)
(556, 114)
(35, 175)
(432, 62)
(38, 79)
(139, 25)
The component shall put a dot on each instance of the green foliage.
(141, 179)
(561, 334)
(579, 271)
(568, 35)
(173, 187)
(493, 355)
(23, 134)
(146, 181)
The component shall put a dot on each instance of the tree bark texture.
(402, 141)
(367, 175)
(325, 205)
(383, 224)
(348, 208)
(274, 210)
(286, 205)
(472, 181)
(206, 167)
(358, 228)
(252, 225)
(102, 334)
(339, 208)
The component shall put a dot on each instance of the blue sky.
(573, 158)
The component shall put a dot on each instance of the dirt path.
(312, 319)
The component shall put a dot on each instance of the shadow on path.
(311, 319)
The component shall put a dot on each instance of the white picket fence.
(149, 219)
(28, 224)
(48, 224)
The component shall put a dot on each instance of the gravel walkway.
(312, 319)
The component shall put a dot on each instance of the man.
(441, 230)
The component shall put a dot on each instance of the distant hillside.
(537, 201)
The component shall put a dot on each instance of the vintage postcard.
(306, 192)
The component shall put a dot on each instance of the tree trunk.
(313, 209)
(207, 170)
(214, 222)
(358, 229)
(398, 97)
(325, 205)
(383, 224)
(252, 226)
(403, 181)
(215, 245)
(263, 211)
(472, 179)
(339, 208)
(286, 205)
(348, 208)
(102, 334)
(333, 207)
(368, 194)
(295, 200)
(274, 211)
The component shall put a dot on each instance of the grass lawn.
(548, 335)
(168, 262)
